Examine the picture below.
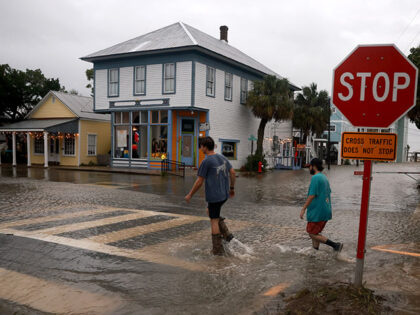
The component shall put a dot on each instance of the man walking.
(215, 171)
(318, 204)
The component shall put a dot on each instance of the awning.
(70, 125)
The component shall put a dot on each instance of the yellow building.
(62, 129)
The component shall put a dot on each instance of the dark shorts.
(315, 227)
(214, 209)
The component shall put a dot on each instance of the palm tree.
(271, 98)
(414, 114)
(312, 111)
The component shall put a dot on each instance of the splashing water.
(344, 258)
(239, 250)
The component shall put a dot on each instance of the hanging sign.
(204, 126)
(122, 138)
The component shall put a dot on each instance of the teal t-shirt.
(320, 207)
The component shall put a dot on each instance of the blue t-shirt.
(215, 169)
(320, 208)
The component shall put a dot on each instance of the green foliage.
(312, 111)
(251, 164)
(269, 99)
(414, 114)
(20, 91)
(89, 76)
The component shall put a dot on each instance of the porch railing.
(173, 168)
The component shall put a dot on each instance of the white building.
(167, 88)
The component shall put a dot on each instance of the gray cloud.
(301, 40)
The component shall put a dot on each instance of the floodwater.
(130, 244)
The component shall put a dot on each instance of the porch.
(47, 140)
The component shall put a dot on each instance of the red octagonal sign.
(374, 86)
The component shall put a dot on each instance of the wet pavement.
(129, 244)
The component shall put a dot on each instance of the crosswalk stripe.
(400, 249)
(53, 297)
(56, 217)
(111, 250)
(276, 289)
(90, 224)
(115, 236)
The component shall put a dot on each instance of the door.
(187, 150)
(54, 151)
(187, 141)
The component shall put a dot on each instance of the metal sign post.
(364, 211)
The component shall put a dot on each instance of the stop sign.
(374, 86)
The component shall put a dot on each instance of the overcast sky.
(300, 40)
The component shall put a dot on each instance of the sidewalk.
(103, 169)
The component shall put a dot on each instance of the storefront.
(143, 137)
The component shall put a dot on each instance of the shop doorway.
(54, 151)
(187, 141)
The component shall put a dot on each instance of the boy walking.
(215, 171)
(318, 204)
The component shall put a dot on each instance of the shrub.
(251, 164)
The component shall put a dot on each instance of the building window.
(69, 145)
(121, 142)
(159, 141)
(122, 118)
(229, 149)
(244, 90)
(139, 142)
(91, 144)
(140, 80)
(211, 84)
(169, 78)
(39, 145)
(228, 86)
(140, 117)
(113, 82)
(332, 128)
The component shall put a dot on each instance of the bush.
(251, 164)
(347, 162)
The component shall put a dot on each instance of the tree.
(73, 92)
(312, 111)
(414, 114)
(271, 98)
(20, 91)
(90, 77)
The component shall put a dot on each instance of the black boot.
(224, 230)
(218, 248)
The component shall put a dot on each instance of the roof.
(175, 36)
(81, 106)
(36, 124)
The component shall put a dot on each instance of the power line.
(405, 29)
(409, 45)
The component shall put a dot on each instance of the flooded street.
(129, 244)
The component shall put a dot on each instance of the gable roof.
(176, 36)
(81, 106)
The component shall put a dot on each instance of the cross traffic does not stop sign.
(374, 86)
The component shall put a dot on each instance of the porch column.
(14, 147)
(45, 149)
(28, 147)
